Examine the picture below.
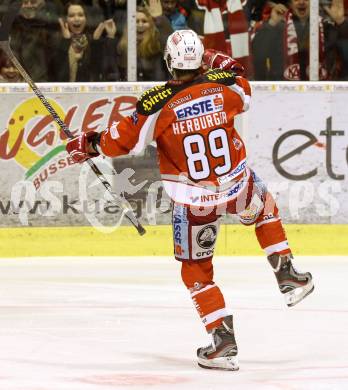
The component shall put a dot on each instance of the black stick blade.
(8, 18)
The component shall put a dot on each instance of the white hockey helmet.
(184, 50)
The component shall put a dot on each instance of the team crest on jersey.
(201, 106)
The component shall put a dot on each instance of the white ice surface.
(129, 323)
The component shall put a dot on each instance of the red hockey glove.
(80, 147)
(213, 59)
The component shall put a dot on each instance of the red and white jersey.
(202, 158)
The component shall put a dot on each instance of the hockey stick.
(5, 28)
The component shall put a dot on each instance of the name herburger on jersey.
(199, 114)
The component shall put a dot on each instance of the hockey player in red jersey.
(203, 165)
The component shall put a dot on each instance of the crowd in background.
(86, 40)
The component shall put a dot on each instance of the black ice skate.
(294, 285)
(222, 352)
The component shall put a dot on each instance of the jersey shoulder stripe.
(153, 99)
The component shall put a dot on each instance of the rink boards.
(233, 240)
(296, 136)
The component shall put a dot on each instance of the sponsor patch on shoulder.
(209, 91)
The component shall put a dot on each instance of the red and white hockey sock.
(210, 305)
(206, 296)
(269, 230)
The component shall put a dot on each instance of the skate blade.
(229, 363)
(298, 294)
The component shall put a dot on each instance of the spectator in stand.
(32, 34)
(175, 13)
(195, 16)
(281, 44)
(254, 9)
(8, 72)
(258, 10)
(153, 29)
(105, 43)
(117, 10)
(226, 29)
(337, 12)
(79, 54)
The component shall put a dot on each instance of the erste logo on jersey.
(200, 106)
